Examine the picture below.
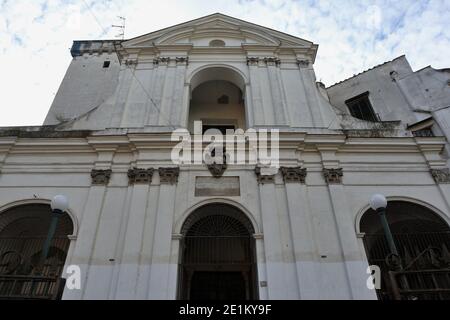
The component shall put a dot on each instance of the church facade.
(143, 226)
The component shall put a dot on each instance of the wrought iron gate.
(422, 272)
(217, 257)
(19, 277)
(222, 261)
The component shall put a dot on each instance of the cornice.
(60, 145)
(7, 143)
(310, 142)
(430, 143)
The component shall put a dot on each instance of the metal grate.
(425, 280)
(23, 232)
(218, 226)
(218, 255)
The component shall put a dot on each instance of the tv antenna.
(121, 27)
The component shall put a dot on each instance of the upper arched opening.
(217, 100)
(218, 73)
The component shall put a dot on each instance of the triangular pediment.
(235, 32)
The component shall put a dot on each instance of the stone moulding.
(264, 179)
(441, 176)
(140, 176)
(333, 176)
(295, 174)
(169, 175)
(100, 177)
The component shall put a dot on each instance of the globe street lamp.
(379, 204)
(59, 205)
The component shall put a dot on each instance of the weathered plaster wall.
(148, 94)
(85, 86)
(307, 243)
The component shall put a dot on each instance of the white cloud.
(35, 36)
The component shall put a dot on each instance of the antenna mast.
(121, 27)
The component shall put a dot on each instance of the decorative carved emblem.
(169, 175)
(293, 174)
(263, 178)
(140, 176)
(100, 177)
(217, 169)
(441, 175)
(333, 176)
(303, 63)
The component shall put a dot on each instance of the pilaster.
(91, 216)
(164, 268)
(5, 146)
(307, 88)
(258, 113)
(431, 149)
(355, 264)
(140, 180)
(303, 239)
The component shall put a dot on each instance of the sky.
(353, 35)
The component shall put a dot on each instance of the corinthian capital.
(140, 176)
(169, 175)
(333, 176)
(441, 176)
(296, 174)
(100, 177)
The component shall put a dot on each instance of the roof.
(217, 15)
(375, 67)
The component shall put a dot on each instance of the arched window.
(416, 230)
(217, 43)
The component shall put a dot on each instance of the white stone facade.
(127, 236)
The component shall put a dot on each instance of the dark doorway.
(222, 128)
(218, 286)
(218, 258)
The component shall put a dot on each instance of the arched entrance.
(23, 230)
(218, 257)
(423, 240)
